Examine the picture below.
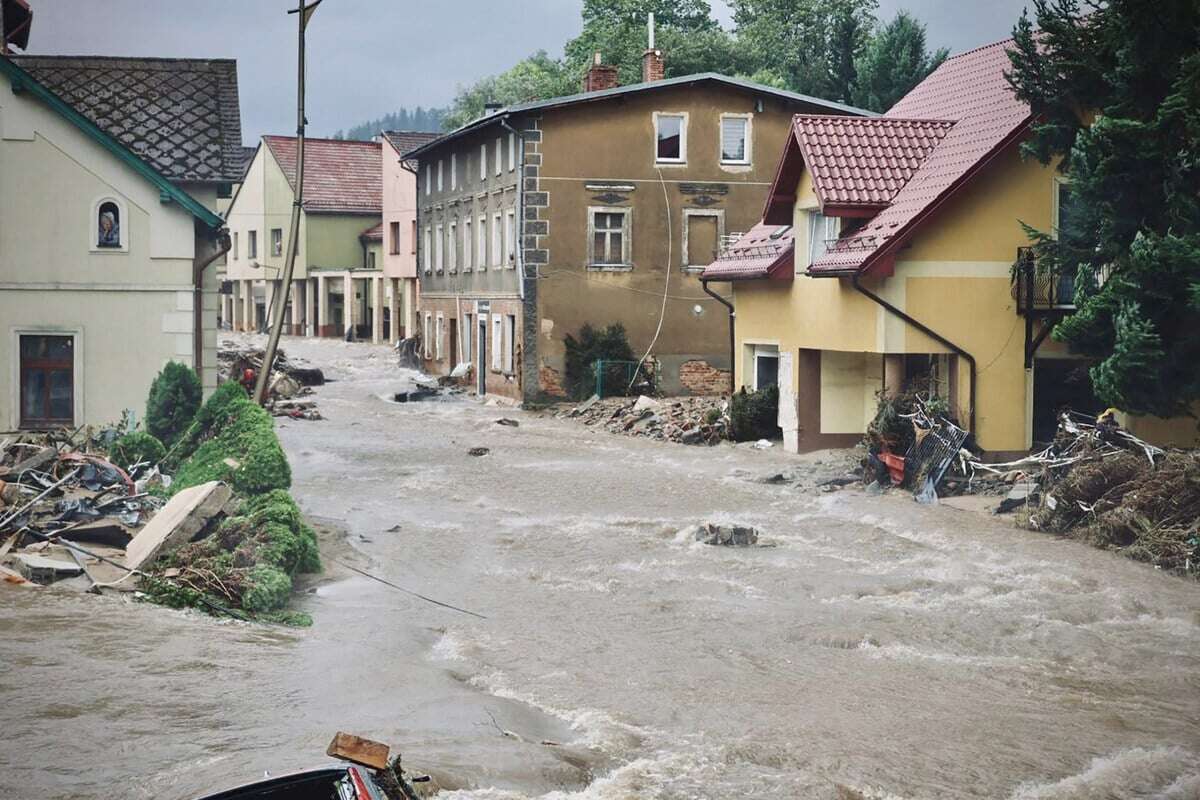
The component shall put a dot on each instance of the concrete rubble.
(288, 394)
(723, 535)
(685, 420)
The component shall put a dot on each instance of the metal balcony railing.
(1039, 290)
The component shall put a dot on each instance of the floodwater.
(898, 650)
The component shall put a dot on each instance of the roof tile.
(339, 175)
(763, 251)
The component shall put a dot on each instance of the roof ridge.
(281, 137)
(974, 50)
(856, 120)
(167, 59)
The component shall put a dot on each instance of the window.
(394, 235)
(670, 132)
(1062, 205)
(499, 155)
(438, 244)
(497, 243)
(512, 152)
(439, 175)
(427, 335)
(482, 163)
(608, 243)
(276, 241)
(497, 342)
(108, 226)
(252, 245)
(510, 238)
(822, 231)
(439, 325)
(466, 338)
(481, 244)
(370, 259)
(453, 171)
(468, 245)
(428, 183)
(766, 366)
(702, 232)
(47, 381)
(510, 335)
(414, 237)
(427, 251)
(735, 139)
(235, 246)
(452, 247)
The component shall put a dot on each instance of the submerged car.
(331, 783)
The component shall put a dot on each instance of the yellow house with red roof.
(906, 229)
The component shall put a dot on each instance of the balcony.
(1040, 292)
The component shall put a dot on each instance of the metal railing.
(1036, 289)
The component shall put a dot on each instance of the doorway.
(481, 356)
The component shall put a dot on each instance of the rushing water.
(903, 651)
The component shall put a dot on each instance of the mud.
(894, 649)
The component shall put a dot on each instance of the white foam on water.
(1159, 773)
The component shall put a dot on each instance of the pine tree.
(894, 60)
(1115, 92)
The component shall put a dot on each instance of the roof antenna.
(650, 27)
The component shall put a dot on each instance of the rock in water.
(478, 451)
(725, 535)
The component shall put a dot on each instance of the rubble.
(291, 382)
(685, 420)
(723, 535)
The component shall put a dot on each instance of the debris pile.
(723, 535)
(288, 395)
(912, 442)
(686, 420)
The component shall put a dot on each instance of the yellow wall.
(332, 240)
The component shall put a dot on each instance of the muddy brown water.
(903, 651)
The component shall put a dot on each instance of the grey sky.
(370, 57)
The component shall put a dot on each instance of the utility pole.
(303, 14)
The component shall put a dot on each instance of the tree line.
(416, 119)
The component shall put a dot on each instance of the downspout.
(931, 334)
(199, 264)
(416, 249)
(732, 317)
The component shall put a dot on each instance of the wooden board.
(358, 750)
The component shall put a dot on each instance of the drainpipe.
(732, 316)
(199, 264)
(931, 334)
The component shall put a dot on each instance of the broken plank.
(358, 750)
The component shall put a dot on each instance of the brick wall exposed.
(550, 381)
(699, 377)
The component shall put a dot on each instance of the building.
(399, 228)
(110, 171)
(338, 283)
(907, 236)
(597, 208)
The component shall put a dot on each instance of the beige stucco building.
(338, 284)
(106, 246)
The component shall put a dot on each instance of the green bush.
(267, 589)
(608, 344)
(174, 399)
(241, 431)
(754, 415)
(134, 448)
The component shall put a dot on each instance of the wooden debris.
(357, 750)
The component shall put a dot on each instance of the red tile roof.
(969, 89)
(864, 161)
(373, 234)
(340, 176)
(406, 141)
(765, 251)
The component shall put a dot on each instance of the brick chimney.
(652, 59)
(599, 76)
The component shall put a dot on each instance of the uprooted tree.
(1115, 92)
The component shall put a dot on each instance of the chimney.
(491, 108)
(652, 59)
(599, 76)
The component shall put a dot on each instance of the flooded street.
(902, 651)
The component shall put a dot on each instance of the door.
(454, 359)
(47, 381)
(481, 357)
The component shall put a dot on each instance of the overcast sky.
(370, 57)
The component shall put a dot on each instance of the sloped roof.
(818, 104)
(969, 89)
(864, 161)
(181, 116)
(340, 176)
(765, 251)
(373, 233)
(407, 141)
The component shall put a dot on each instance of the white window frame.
(497, 342)
(512, 152)
(762, 351)
(468, 245)
(78, 378)
(499, 155)
(453, 171)
(452, 248)
(428, 181)
(427, 255)
(427, 331)
(234, 249)
(252, 244)
(497, 240)
(683, 128)
(815, 220)
(688, 213)
(481, 234)
(626, 261)
(439, 174)
(749, 159)
(510, 238)
(439, 332)
(276, 246)
(510, 334)
(483, 162)
(439, 248)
